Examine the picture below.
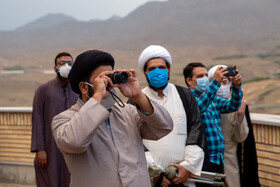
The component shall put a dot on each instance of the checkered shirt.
(211, 107)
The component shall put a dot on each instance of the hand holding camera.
(220, 73)
(128, 84)
(125, 80)
(236, 79)
(231, 71)
(119, 77)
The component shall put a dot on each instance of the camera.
(231, 71)
(119, 77)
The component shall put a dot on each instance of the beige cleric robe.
(234, 133)
(100, 156)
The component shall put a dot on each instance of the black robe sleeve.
(195, 129)
(249, 172)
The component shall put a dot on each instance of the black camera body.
(119, 77)
(231, 71)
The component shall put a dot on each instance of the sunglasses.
(64, 62)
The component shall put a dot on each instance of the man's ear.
(188, 80)
(83, 88)
(55, 69)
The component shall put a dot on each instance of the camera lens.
(119, 77)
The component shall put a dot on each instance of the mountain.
(250, 24)
(45, 22)
(245, 33)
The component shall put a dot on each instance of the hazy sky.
(15, 13)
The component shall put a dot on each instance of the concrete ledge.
(17, 173)
(265, 119)
(16, 109)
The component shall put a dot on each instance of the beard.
(156, 89)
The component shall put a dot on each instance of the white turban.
(212, 71)
(153, 51)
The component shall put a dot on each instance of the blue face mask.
(158, 77)
(202, 84)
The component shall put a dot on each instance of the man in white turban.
(183, 148)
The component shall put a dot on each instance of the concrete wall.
(16, 161)
(17, 173)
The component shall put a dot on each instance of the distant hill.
(174, 23)
(45, 22)
(241, 32)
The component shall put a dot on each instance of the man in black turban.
(85, 64)
(101, 141)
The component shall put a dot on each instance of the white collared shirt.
(172, 148)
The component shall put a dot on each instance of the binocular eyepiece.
(119, 77)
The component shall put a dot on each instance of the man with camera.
(101, 139)
(211, 107)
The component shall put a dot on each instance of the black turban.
(84, 65)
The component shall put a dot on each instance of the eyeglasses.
(64, 62)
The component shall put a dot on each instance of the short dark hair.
(167, 64)
(60, 55)
(188, 70)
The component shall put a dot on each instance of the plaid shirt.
(211, 107)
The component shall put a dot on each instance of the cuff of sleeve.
(147, 114)
(194, 157)
(215, 84)
(236, 87)
(37, 148)
(195, 173)
(141, 111)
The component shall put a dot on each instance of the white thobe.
(172, 148)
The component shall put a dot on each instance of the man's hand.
(241, 111)
(220, 74)
(100, 83)
(183, 174)
(131, 88)
(42, 158)
(165, 182)
(237, 79)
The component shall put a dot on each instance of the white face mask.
(202, 84)
(224, 91)
(64, 70)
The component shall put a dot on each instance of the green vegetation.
(264, 56)
(278, 46)
(256, 79)
(15, 68)
(32, 67)
(271, 38)
(277, 61)
(230, 57)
